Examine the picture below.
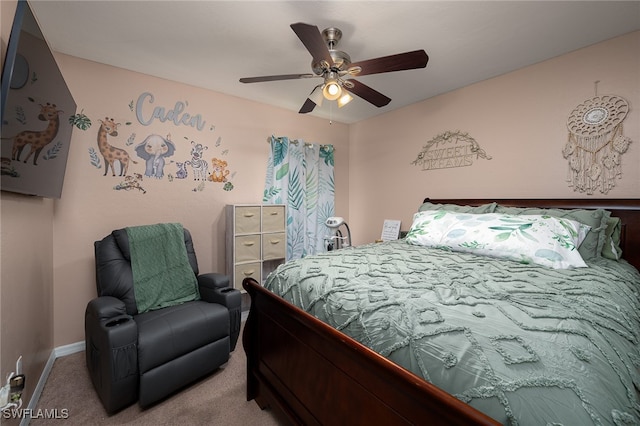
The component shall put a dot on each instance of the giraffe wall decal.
(110, 153)
(37, 139)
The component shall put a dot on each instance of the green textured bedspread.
(522, 343)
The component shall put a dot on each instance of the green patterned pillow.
(540, 239)
(591, 247)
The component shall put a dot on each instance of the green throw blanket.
(162, 275)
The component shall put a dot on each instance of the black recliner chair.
(148, 356)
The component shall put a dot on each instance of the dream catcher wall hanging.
(596, 143)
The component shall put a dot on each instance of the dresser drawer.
(247, 247)
(247, 219)
(273, 218)
(255, 241)
(274, 246)
(247, 270)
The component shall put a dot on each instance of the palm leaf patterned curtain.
(300, 175)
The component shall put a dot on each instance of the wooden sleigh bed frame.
(309, 373)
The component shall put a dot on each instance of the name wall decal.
(175, 115)
(450, 149)
(176, 161)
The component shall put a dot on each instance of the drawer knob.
(249, 273)
(248, 243)
(248, 215)
(274, 241)
(274, 213)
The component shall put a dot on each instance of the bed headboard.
(627, 209)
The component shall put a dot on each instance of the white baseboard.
(69, 349)
(55, 353)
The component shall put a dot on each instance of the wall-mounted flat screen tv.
(36, 110)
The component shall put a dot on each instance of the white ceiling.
(211, 44)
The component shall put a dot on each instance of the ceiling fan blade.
(367, 93)
(314, 99)
(398, 62)
(312, 39)
(308, 106)
(275, 78)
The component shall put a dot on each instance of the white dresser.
(256, 241)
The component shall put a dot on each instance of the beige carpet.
(216, 400)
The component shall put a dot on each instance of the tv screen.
(36, 108)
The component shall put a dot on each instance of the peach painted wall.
(235, 130)
(519, 119)
(26, 271)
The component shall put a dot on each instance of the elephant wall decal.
(153, 150)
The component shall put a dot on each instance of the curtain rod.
(295, 142)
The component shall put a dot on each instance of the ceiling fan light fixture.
(344, 99)
(332, 90)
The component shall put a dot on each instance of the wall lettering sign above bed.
(450, 149)
(596, 143)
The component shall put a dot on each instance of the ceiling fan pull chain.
(330, 113)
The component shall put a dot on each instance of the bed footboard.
(309, 373)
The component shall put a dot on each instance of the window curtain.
(300, 176)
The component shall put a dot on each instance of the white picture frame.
(390, 230)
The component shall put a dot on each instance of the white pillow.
(540, 239)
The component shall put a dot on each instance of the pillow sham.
(541, 239)
(611, 248)
(484, 208)
(591, 247)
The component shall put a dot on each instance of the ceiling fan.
(336, 69)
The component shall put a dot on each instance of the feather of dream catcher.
(596, 143)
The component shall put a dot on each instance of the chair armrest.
(232, 299)
(229, 297)
(208, 284)
(111, 338)
(106, 307)
(213, 280)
